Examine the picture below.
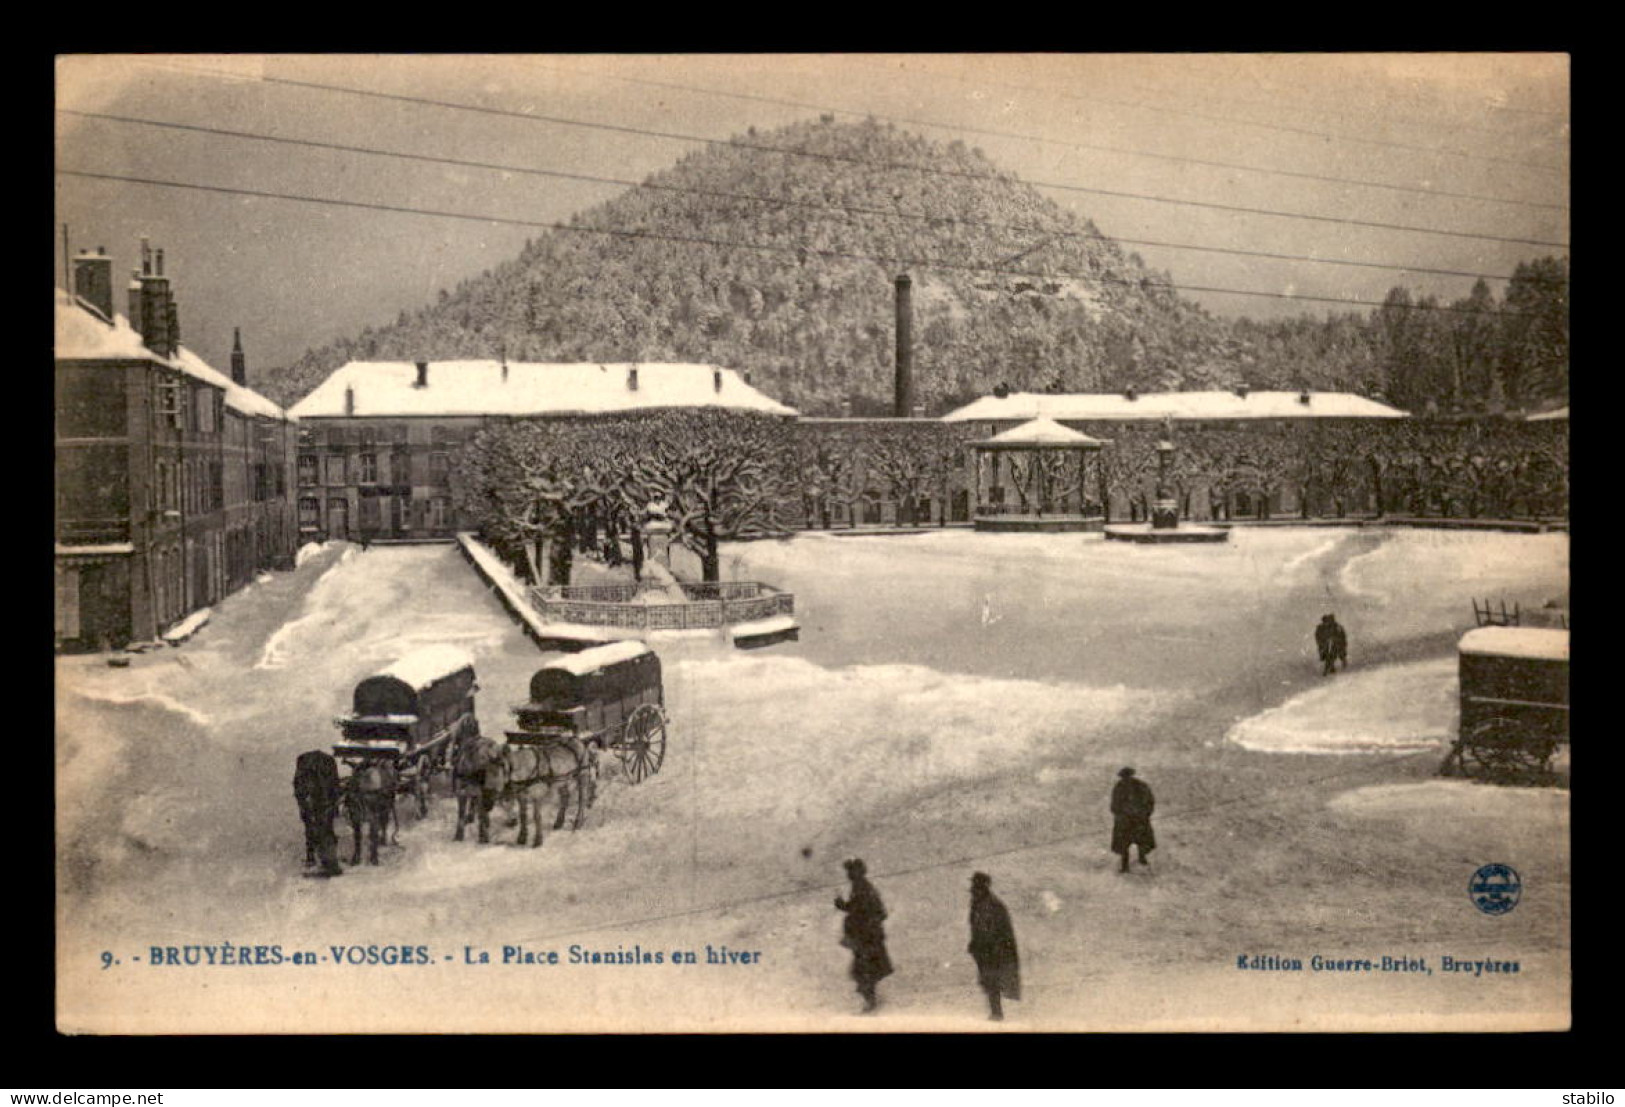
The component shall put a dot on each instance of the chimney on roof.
(1001, 390)
(153, 313)
(846, 407)
(423, 375)
(239, 363)
(1303, 397)
(716, 380)
(919, 411)
(747, 376)
(93, 280)
(349, 399)
(1241, 391)
(632, 379)
(1130, 395)
(903, 396)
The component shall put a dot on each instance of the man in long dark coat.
(316, 789)
(993, 946)
(1332, 643)
(863, 934)
(1132, 804)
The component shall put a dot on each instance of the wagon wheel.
(1497, 746)
(642, 747)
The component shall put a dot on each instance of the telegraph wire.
(1053, 233)
(1061, 142)
(849, 159)
(1437, 151)
(916, 263)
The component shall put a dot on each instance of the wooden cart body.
(1514, 699)
(610, 696)
(412, 712)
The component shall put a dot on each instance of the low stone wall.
(707, 607)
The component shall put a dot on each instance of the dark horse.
(316, 790)
(526, 772)
(369, 797)
(474, 757)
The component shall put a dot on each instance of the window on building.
(369, 468)
(439, 513)
(368, 434)
(307, 470)
(217, 486)
(333, 467)
(203, 401)
(439, 469)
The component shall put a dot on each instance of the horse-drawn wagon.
(1514, 700)
(610, 697)
(405, 721)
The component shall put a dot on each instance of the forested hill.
(781, 264)
(802, 306)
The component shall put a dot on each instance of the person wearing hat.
(993, 946)
(1132, 804)
(1332, 643)
(864, 934)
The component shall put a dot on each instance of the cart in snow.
(610, 697)
(1514, 700)
(411, 715)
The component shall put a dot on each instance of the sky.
(1469, 152)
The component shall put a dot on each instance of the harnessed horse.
(525, 772)
(369, 797)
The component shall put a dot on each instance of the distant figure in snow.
(1332, 643)
(366, 541)
(993, 946)
(863, 934)
(1132, 804)
(316, 790)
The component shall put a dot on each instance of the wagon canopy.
(413, 686)
(603, 673)
(1515, 665)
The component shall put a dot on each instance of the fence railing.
(705, 606)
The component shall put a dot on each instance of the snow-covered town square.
(859, 544)
(942, 713)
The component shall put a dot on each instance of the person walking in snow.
(1132, 804)
(863, 934)
(993, 946)
(1332, 643)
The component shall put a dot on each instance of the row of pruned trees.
(543, 491)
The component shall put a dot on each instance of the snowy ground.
(955, 702)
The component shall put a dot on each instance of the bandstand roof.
(1040, 434)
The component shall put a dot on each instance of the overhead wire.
(1310, 132)
(1006, 179)
(804, 251)
(1072, 144)
(1052, 233)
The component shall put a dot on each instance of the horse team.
(413, 721)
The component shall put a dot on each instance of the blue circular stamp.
(1495, 889)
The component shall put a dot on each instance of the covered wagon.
(608, 696)
(1514, 700)
(412, 712)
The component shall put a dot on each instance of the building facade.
(172, 479)
(377, 439)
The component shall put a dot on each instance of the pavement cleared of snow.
(1392, 709)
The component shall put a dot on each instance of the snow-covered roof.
(1556, 413)
(421, 668)
(389, 388)
(1176, 405)
(80, 334)
(587, 661)
(1041, 432)
(1530, 642)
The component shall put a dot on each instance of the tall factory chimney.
(903, 399)
(239, 363)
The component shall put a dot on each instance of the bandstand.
(1053, 496)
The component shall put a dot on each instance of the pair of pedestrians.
(992, 940)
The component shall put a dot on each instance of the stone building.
(171, 478)
(377, 439)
